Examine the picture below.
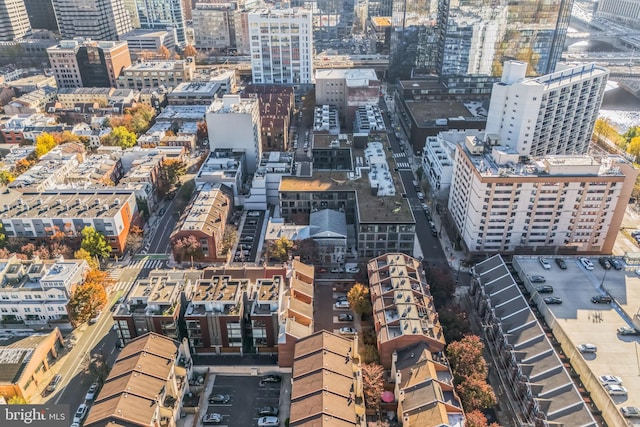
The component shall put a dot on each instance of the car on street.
(271, 378)
(268, 411)
(344, 317)
(627, 330)
(420, 195)
(615, 390)
(630, 411)
(610, 379)
(219, 398)
(537, 279)
(322, 270)
(95, 318)
(616, 264)
(586, 263)
(348, 331)
(545, 263)
(253, 213)
(211, 418)
(53, 384)
(268, 422)
(604, 262)
(544, 289)
(424, 207)
(91, 393)
(552, 300)
(434, 230)
(341, 298)
(353, 269)
(247, 238)
(587, 348)
(337, 270)
(80, 413)
(601, 299)
(561, 263)
(342, 304)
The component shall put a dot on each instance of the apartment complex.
(214, 25)
(85, 62)
(565, 203)
(96, 19)
(624, 11)
(163, 15)
(41, 15)
(548, 115)
(281, 46)
(403, 310)
(153, 74)
(14, 21)
(276, 110)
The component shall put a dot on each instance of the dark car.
(268, 411)
(601, 299)
(552, 300)
(538, 279)
(344, 317)
(604, 262)
(271, 379)
(219, 398)
(54, 383)
(544, 289)
(615, 263)
(561, 263)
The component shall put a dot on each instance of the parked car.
(630, 411)
(253, 213)
(337, 270)
(545, 263)
(604, 262)
(610, 379)
(544, 289)
(322, 270)
(587, 348)
(416, 184)
(95, 318)
(627, 330)
(212, 418)
(268, 411)
(81, 412)
(344, 317)
(342, 304)
(341, 298)
(561, 263)
(425, 207)
(615, 390)
(552, 300)
(601, 299)
(420, 195)
(434, 230)
(91, 393)
(271, 378)
(54, 383)
(586, 263)
(268, 422)
(348, 331)
(616, 264)
(219, 398)
(537, 279)
(353, 270)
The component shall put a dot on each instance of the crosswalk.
(148, 264)
(122, 285)
(401, 161)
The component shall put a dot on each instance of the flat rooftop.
(427, 111)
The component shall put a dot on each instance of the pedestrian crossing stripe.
(403, 165)
(147, 263)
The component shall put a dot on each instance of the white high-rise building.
(281, 46)
(163, 14)
(234, 123)
(95, 19)
(552, 114)
(14, 21)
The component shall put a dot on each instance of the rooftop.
(353, 76)
(208, 211)
(195, 89)
(427, 112)
(167, 65)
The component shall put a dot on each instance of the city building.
(99, 169)
(403, 309)
(27, 363)
(205, 219)
(145, 386)
(234, 123)
(625, 12)
(326, 385)
(41, 15)
(547, 115)
(50, 171)
(326, 119)
(276, 109)
(85, 62)
(569, 204)
(14, 20)
(224, 166)
(266, 180)
(226, 78)
(167, 14)
(369, 119)
(36, 215)
(32, 102)
(424, 388)
(328, 229)
(347, 89)
(214, 25)
(149, 40)
(69, 97)
(194, 93)
(156, 74)
(96, 19)
(284, 52)
(331, 20)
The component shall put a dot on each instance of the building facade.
(548, 115)
(161, 15)
(627, 12)
(14, 20)
(281, 46)
(95, 19)
(154, 74)
(214, 25)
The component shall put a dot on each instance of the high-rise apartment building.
(213, 25)
(281, 46)
(332, 19)
(154, 14)
(132, 9)
(41, 14)
(88, 63)
(552, 114)
(14, 21)
(627, 12)
(95, 19)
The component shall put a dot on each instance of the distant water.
(621, 108)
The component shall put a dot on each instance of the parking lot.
(246, 397)
(327, 316)
(250, 233)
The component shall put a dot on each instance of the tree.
(476, 393)
(229, 237)
(631, 133)
(279, 249)
(85, 255)
(202, 132)
(634, 147)
(65, 137)
(466, 358)
(95, 243)
(190, 51)
(44, 143)
(28, 250)
(6, 177)
(85, 302)
(98, 277)
(187, 247)
(358, 297)
(172, 170)
(372, 384)
(98, 367)
(441, 284)
(305, 249)
(22, 166)
(135, 239)
(120, 136)
(16, 400)
(3, 237)
(164, 52)
(454, 322)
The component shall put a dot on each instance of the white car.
(353, 269)
(545, 263)
(342, 304)
(615, 390)
(268, 422)
(420, 195)
(630, 412)
(587, 348)
(348, 331)
(211, 418)
(586, 263)
(610, 379)
(91, 394)
(80, 413)
(254, 213)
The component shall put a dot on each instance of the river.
(621, 108)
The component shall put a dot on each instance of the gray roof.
(328, 223)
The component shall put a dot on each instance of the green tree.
(85, 302)
(358, 297)
(3, 237)
(631, 133)
(279, 249)
(95, 243)
(16, 400)
(85, 255)
(6, 177)
(120, 136)
(44, 143)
